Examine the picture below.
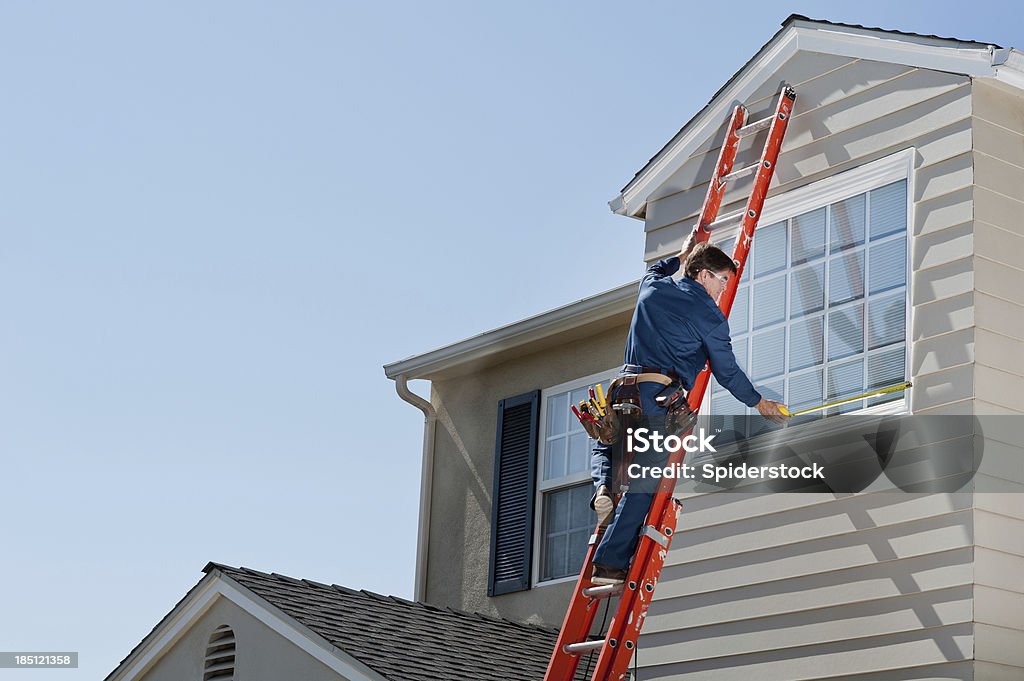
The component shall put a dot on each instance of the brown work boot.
(604, 506)
(607, 575)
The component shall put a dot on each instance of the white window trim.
(565, 481)
(893, 168)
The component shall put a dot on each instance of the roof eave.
(473, 351)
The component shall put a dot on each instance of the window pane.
(577, 549)
(886, 321)
(773, 390)
(807, 292)
(556, 511)
(885, 369)
(845, 380)
(554, 457)
(723, 403)
(727, 245)
(847, 223)
(769, 302)
(808, 236)
(805, 390)
(739, 348)
(728, 413)
(769, 249)
(555, 557)
(558, 410)
(845, 332)
(888, 265)
(568, 521)
(579, 453)
(889, 209)
(738, 313)
(846, 278)
(579, 395)
(806, 343)
(769, 354)
(580, 513)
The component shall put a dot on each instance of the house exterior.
(891, 248)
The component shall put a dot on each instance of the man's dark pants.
(620, 538)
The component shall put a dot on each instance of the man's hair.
(705, 256)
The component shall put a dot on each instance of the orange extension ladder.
(616, 648)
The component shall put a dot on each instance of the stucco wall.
(459, 551)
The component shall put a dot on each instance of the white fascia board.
(920, 52)
(1011, 70)
(217, 585)
(585, 311)
(924, 53)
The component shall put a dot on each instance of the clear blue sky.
(219, 219)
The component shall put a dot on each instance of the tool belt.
(623, 403)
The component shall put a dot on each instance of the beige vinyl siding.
(998, 122)
(812, 586)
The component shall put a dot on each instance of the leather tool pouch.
(624, 403)
(679, 419)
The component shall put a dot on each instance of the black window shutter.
(515, 464)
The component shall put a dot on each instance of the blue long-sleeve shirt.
(677, 326)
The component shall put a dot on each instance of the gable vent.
(219, 664)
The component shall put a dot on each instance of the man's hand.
(688, 245)
(770, 410)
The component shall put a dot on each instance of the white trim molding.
(971, 59)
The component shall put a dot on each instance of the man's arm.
(728, 373)
(669, 266)
(661, 269)
(688, 244)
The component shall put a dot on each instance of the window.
(564, 486)
(822, 310)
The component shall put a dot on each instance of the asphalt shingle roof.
(403, 640)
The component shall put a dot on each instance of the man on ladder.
(677, 328)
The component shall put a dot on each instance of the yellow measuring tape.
(873, 393)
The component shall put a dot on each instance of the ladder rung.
(728, 219)
(585, 647)
(742, 172)
(603, 591)
(756, 126)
